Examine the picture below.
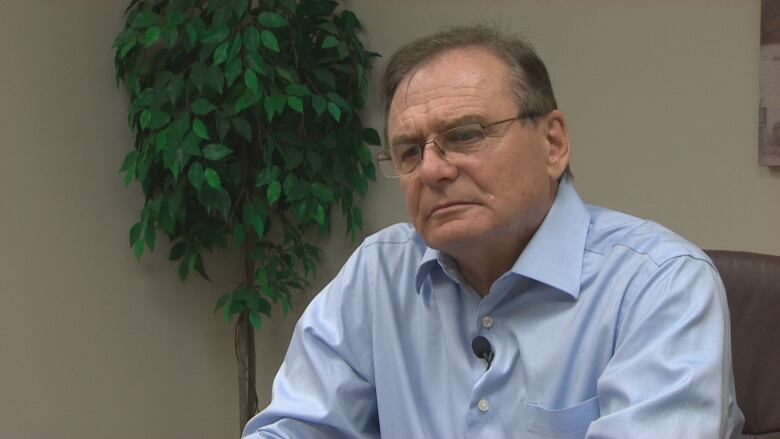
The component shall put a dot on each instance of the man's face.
(500, 193)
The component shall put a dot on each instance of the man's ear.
(557, 137)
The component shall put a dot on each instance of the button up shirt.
(606, 326)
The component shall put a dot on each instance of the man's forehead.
(460, 83)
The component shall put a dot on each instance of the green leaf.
(200, 268)
(200, 129)
(221, 54)
(295, 103)
(175, 88)
(223, 126)
(329, 41)
(215, 79)
(183, 269)
(272, 20)
(150, 236)
(319, 104)
(350, 20)
(190, 144)
(159, 119)
(274, 191)
(160, 141)
(242, 103)
(212, 178)
(198, 74)
(216, 151)
(235, 47)
(129, 161)
(293, 158)
(269, 108)
(215, 35)
(357, 217)
(371, 137)
(330, 28)
(297, 90)
(125, 37)
(269, 40)
(256, 63)
(177, 251)
(268, 175)
(135, 233)
(338, 100)
(334, 111)
(169, 36)
(319, 215)
(250, 80)
(326, 77)
(254, 320)
(286, 74)
(294, 188)
(151, 36)
(144, 19)
(222, 301)
(233, 70)
(251, 39)
(323, 193)
(257, 221)
(243, 127)
(314, 159)
(138, 248)
(146, 116)
(279, 101)
(202, 106)
(192, 34)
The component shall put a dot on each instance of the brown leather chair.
(752, 283)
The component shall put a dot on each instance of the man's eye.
(407, 153)
(463, 136)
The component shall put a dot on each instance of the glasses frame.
(385, 155)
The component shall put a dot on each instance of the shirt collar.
(554, 254)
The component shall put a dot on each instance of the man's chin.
(449, 237)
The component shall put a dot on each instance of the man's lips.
(444, 207)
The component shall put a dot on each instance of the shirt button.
(487, 322)
(483, 405)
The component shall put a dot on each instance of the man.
(508, 308)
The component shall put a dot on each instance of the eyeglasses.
(467, 139)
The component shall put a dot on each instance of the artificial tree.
(246, 135)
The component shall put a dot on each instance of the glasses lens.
(386, 165)
(465, 139)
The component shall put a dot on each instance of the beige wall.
(661, 98)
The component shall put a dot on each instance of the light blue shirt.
(607, 326)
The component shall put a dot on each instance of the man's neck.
(482, 267)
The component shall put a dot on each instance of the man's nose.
(435, 168)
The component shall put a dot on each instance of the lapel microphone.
(482, 349)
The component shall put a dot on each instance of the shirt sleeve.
(324, 388)
(670, 375)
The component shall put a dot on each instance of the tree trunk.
(245, 351)
(244, 337)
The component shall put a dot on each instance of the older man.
(508, 308)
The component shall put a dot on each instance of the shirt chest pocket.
(566, 423)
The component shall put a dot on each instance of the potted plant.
(247, 135)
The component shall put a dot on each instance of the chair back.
(752, 283)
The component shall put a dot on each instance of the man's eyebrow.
(459, 121)
(416, 139)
